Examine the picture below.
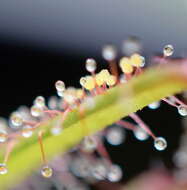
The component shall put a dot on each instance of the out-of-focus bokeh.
(83, 26)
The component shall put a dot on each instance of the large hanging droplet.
(182, 110)
(3, 169)
(27, 131)
(160, 143)
(140, 134)
(46, 172)
(168, 50)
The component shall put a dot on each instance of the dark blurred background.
(43, 41)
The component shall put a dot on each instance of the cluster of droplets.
(69, 98)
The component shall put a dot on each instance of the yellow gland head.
(80, 93)
(82, 81)
(99, 79)
(90, 83)
(136, 60)
(104, 74)
(126, 66)
(102, 77)
(111, 80)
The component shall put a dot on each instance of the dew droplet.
(115, 136)
(46, 172)
(27, 131)
(154, 105)
(168, 50)
(3, 136)
(90, 65)
(3, 169)
(160, 143)
(16, 119)
(39, 101)
(36, 111)
(60, 86)
(114, 174)
(182, 110)
(109, 52)
(140, 134)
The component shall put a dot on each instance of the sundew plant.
(75, 122)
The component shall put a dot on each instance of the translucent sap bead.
(56, 130)
(90, 65)
(89, 144)
(115, 136)
(36, 111)
(154, 105)
(60, 93)
(168, 50)
(99, 171)
(160, 143)
(182, 110)
(3, 169)
(27, 131)
(114, 174)
(24, 112)
(140, 134)
(46, 172)
(16, 119)
(53, 102)
(3, 136)
(109, 52)
(60, 86)
(39, 101)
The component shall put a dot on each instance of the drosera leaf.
(118, 102)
